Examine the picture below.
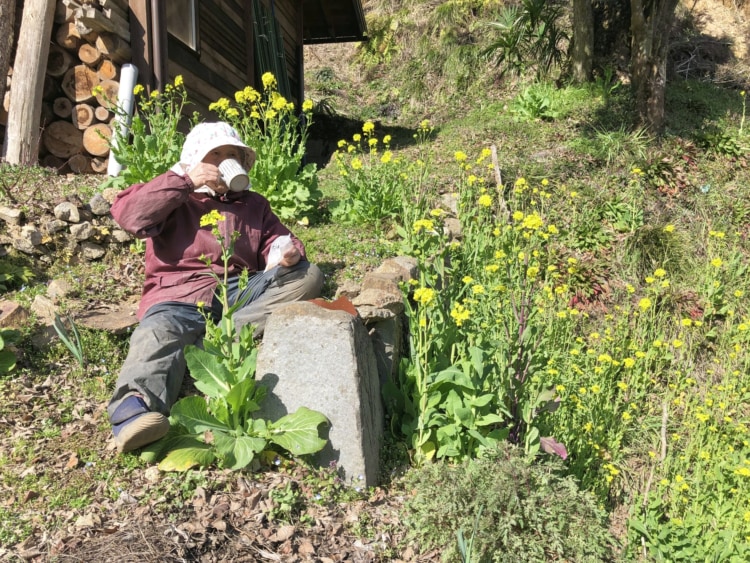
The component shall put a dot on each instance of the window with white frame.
(182, 21)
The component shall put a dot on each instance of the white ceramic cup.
(234, 175)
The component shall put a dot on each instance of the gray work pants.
(155, 365)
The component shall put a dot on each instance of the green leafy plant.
(7, 357)
(220, 427)
(12, 275)
(519, 510)
(528, 36)
(535, 102)
(269, 124)
(71, 338)
(152, 142)
(379, 186)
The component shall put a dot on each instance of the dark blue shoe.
(134, 425)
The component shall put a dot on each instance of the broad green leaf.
(183, 459)
(192, 413)
(298, 432)
(238, 452)
(455, 376)
(427, 450)
(211, 376)
(7, 361)
(177, 436)
(465, 416)
(452, 402)
(477, 359)
(482, 400)
(489, 418)
(239, 399)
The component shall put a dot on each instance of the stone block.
(324, 360)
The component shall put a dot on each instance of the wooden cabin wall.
(222, 64)
(289, 16)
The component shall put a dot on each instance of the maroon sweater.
(167, 213)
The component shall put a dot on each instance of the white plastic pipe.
(125, 101)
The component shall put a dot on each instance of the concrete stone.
(323, 359)
(387, 342)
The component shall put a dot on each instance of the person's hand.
(291, 257)
(205, 174)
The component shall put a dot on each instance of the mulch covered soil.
(129, 511)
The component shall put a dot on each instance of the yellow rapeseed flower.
(211, 219)
(422, 224)
(644, 304)
(368, 127)
(460, 314)
(268, 80)
(424, 295)
(485, 200)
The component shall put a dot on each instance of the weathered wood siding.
(224, 61)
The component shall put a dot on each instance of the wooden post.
(22, 133)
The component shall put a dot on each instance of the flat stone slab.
(323, 359)
(117, 318)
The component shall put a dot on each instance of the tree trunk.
(582, 55)
(7, 19)
(22, 133)
(650, 24)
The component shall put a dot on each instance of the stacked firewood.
(90, 42)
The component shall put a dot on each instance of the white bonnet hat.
(205, 137)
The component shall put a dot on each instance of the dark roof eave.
(344, 39)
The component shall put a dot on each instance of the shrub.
(519, 510)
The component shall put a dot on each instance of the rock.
(66, 211)
(348, 289)
(11, 216)
(82, 231)
(109, 194)
(54, 226)
(117, 319)
(12, 315)
(91, 251)
(452, 228)
(28, 239)
(404, 266)
(328, 365)
(121, 236)
(99, 205)
(376, 304)
(449, 201)
(44, 308)
(58, 288)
